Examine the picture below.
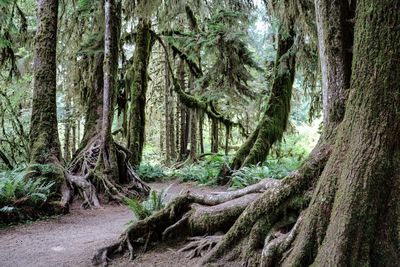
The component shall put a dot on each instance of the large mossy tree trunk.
(274, 120)
(356, 197)
(44, 140)
(342, 206)
(138, 77)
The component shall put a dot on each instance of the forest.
(199, 133)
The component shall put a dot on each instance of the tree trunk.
(183, 153)
(227, 134)
(44, 141)
(274, 120)
(167, 108)
(214, 136)
(100, 164)
(341, 208)
(193, 125)
(73, 137)
(111, 37)
(361, 182)
(138, 76)
(67, 129)
(201, 129)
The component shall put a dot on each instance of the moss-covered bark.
(359, 189)
(94, 102)
(100, 164)
(274, 119)
(137, 76)
(341, 208)
(44, 142)
(214, 136)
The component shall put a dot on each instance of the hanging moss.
(274, 120)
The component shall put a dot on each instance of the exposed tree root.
(84, 175)
(187, 215)
(200, 244)
(259, 222)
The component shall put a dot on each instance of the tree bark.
(201, 134)
(44, 141)
(274, 120)
(193, 125)
(139, 76)
(67, 129)
(100, 164)
(341, 207)
(167, 111)
(360, 184)
(214, 136)
(183, 153)
(111, 37)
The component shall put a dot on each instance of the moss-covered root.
(244, 240)
(186, 216)
(84, 174)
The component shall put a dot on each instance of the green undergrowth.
(22, 199)
(155, 201)
(152, 172)
(286, 157)
(203, 172)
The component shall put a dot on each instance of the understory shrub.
(203, 172)
(249, 175)
(155, 201)
(285, 157)
(21, 198)
(150, 173)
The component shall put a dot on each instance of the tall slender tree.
(98, 150)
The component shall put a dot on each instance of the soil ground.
(72, 239)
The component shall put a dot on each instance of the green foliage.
(14, 141)
(249, 175)
(18, 194)
(154, 202)
(203, 172)
(286, 157)
(150, 173)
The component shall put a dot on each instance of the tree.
(274, 120)
(100, 164)
(341, 207)
(44, 142)
(138, 79)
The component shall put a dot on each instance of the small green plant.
(203, 172)
(18, 194)
(249, 175)
(153, 203)
(150, 173)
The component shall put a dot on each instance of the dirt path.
(72, 240)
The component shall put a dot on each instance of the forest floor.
(72, 239)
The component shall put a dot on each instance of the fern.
(156, 201)
(16, 192)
